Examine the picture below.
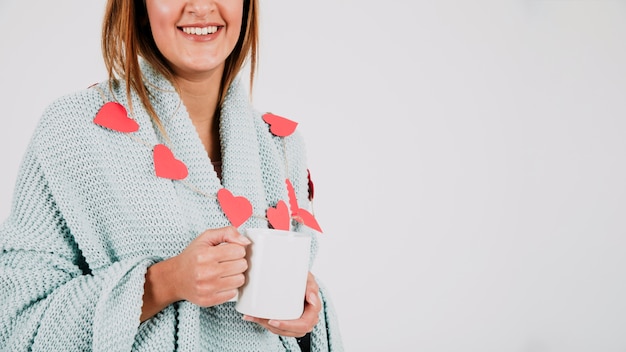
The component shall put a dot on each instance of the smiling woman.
(134, 194)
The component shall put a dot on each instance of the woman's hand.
(207, 273)
(301, 326)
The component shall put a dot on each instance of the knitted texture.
(89, 217)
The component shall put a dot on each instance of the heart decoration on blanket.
(279, 125)
(311, 186)
(237, 209)
(279, 217)
(300, 215)
(114, 117)
(293, 201)
(166, 165)
(306, 218)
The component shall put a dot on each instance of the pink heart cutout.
(300, 215)
(279, 125)
(279, 216)
(293, 201)
(311, 186)
(114, 116)
(166, 165)
(306, 218)
(236, 209)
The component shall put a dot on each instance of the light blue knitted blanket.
(89, 217)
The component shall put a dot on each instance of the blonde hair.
(126, 35)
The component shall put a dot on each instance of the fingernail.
(274, 323)
(313, 299)
(245, 240)
(247, 318)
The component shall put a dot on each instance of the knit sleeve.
(51, 300)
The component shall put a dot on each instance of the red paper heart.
(114, 116)
(300, 215)
(306, 218)
(279, 216)
(166, 165)
(293, 201)
(236, 209)
(311, 186)
(280, 126)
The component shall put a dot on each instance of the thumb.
(229, 234)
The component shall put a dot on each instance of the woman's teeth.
(200, 30)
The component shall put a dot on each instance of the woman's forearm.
(159, 289)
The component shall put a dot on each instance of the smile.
(200, 30)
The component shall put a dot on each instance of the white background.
(469, 157)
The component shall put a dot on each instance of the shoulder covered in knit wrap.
(89, 217)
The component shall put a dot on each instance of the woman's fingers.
(211, 268)
(300, 326)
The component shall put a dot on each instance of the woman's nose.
(201, 8)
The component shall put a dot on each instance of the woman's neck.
(201, 97)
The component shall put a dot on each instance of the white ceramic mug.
(278, 266)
